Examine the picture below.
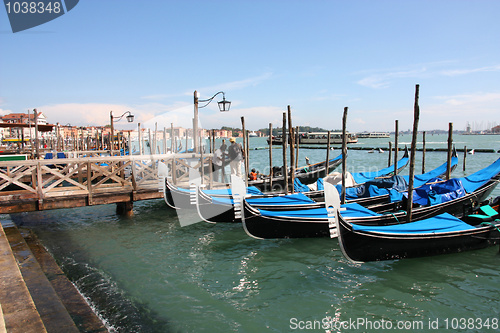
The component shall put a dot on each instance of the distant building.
(496, 129)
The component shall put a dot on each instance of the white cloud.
(383, 80)
(236, 85)
(456, 72)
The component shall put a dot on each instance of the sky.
(316, 56)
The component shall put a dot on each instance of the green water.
(147, 274)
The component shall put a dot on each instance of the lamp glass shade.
(224, 105)
(130, 118)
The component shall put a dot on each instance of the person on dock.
(254, 174)
(236, 155)
(218, 162)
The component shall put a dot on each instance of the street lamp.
(223, 107)
(130, 118)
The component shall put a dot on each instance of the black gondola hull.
(368, 246)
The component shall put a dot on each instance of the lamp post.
(223, 107)
(130, 118)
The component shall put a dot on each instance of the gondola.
(215, 210)
(468, 192)
(178, 197)
(307, 174)
(221, 210)
(441, 234)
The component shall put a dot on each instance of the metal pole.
(195, 123)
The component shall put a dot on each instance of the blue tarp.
(477, 179)
(299, 187)
(320, 185)
(438, 224)
(437, 193)
(363, 177)
(420, 180)
(352, 209)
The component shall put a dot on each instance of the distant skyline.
(317, 56)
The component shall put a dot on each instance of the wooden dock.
(35, 185)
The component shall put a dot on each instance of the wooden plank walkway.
(85, 181)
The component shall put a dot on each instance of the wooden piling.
(297, 146)
(416, 117)
(292, 149)
(270, 156)
(465, 156)
(139, 138)
(327, 165)
(344, 153)
(284, 141)
(37, 142)
(172, 135)
(423, 152)
(396, 135)
(390, 154)
(450, 143)
(245, 149)
(223, 173)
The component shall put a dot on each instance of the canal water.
(148, 274)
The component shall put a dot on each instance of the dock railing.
(85, 181)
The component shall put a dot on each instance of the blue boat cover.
(477, 179)
(352, 210)
(437, 224)
(376, 187)
(320, 184)
(299, 187)
(284, 200)
(433, 194)
(363, 177)
(427, 177)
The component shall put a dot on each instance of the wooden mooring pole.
(396, 135)
(292, 149)
(270, 156)
(416, 117)
(284, 141)
(465, 156)
(344, 153)
(390, 154)
(450, 143)
(423, 152)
